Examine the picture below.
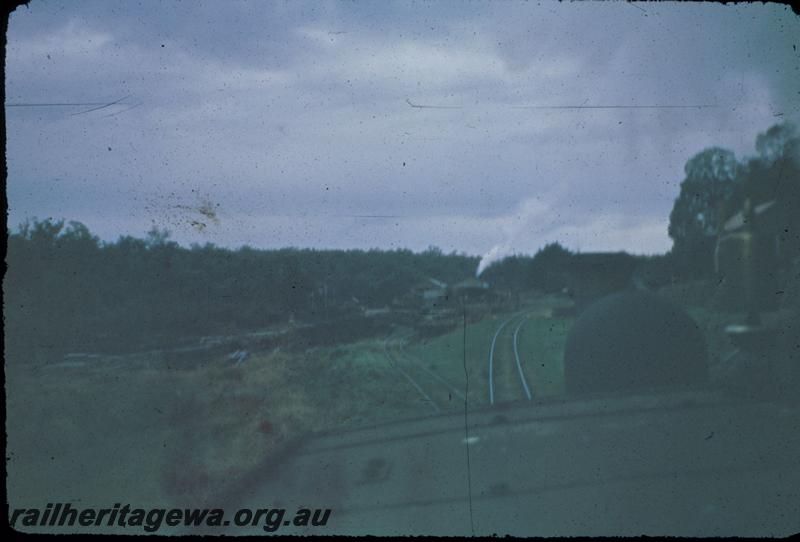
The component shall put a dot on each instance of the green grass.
(155, 436)
(447, 355)
(355, 384)
(541, 343)
(160, 437)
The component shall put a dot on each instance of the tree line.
(67, 290)
(715, 188)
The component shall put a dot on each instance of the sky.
(385, 124)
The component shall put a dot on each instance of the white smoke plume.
(495, 254)
(519, 230)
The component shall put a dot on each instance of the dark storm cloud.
(294, 118)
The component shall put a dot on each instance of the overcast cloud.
(293, 121)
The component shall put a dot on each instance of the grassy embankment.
(150, 435)
(99, 434)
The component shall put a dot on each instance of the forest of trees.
(544, 271)
(66, 290)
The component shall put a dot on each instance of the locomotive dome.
(631, 341)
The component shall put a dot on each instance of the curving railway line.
(506, 374)
(516, 358)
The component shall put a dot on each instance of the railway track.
(516, 358)
(506, 375)
(436, 391)
(503, 366)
